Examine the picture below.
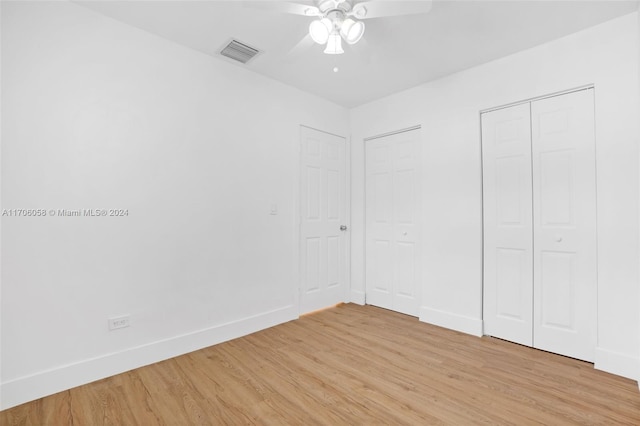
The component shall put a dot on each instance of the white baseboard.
(617, 363)
(38, 385)
(358, 297)
(451, 321)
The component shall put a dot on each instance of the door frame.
(535, 98)
(297, 224)
(364, 199)
(520, 102)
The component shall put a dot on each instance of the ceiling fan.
(338, 20)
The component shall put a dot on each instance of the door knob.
(404, 233)
(343, 227)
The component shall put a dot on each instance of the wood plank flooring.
(348, 365)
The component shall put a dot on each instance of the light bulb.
(334, 45)
(319, 30)
(352, 31)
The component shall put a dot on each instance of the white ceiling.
(396, 53)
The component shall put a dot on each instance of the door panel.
(323, 210)
(313, 194)
(406, 270)
(313, 261)
(510, 267)
(392, 213)
(508, 189)
(382, 268)
(333, 261)
(557, 293)
(405, 191)
(507, 209)
(381, 197)
(556, 188)
(333, 195)
(564, 185)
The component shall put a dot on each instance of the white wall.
(97, 114)
(448, 110)
(100, 115)
(0, 207)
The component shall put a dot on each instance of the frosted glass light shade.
(334, 44)
(351, 30)
(319, 30)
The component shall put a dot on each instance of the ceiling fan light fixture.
(334, 44)
(311, 11)
(351, 30)
(360, 10)
(320, 30)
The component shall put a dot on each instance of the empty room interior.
(320, 212)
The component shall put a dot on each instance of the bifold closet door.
(539, 198)
(508, 244)
(564, 223)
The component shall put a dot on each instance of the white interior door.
(539, 197)
(323, 253)
(508, 263)
(564, 224)
(392, 215)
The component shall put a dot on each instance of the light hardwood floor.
(348, 365)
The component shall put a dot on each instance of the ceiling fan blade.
(284, 7)
(381, 8)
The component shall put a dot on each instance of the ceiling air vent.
(239, 51)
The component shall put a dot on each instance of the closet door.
(507, 204)
(392, 209)
(564, 189)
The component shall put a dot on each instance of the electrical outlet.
(118, 322)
